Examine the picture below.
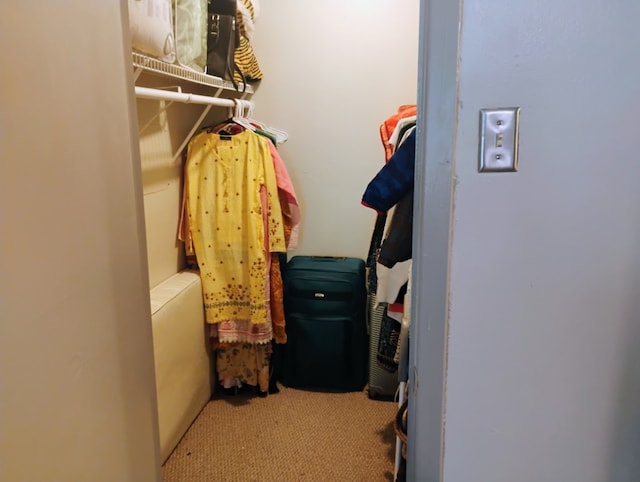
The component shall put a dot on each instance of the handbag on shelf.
(248, 69)
(222, 39)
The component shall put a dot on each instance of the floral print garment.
(238, 364)
(224, 178)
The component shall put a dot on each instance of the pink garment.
(286, 186)
(241, 331)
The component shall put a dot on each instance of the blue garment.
(395, 179)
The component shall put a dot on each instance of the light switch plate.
(499, 140)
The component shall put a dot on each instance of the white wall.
(543, 380)
(77, 394)
(160, 137)
(333, 72)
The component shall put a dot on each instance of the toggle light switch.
(499, 140)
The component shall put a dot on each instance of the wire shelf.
(156, 66)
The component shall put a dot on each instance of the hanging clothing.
(403, 124)
(238, 364)
(391, 282)
(391, 188)
(240, 213)
(397, 245)
(288, 200)
(291, 224)
(231, 195)
(395, 178)
(388, 127)
(278, 322)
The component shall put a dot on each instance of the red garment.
(388, 126)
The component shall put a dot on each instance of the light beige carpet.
(294, 435)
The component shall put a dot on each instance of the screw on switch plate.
(499, 140)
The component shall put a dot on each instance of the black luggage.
(325, 306)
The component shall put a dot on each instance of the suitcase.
(383, 384)
(325, 308)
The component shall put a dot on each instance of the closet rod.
(148, 93)
(157, 94)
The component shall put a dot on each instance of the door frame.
(438, 61)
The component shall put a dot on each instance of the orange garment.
(389, 125)
(276, 301)
(291, 223)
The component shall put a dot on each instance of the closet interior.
(311, 130)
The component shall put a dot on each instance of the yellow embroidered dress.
(235, 222)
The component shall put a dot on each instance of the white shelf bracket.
(156, 115)
(165, 106)
(191, 132)
(157, 94)
(136, 74)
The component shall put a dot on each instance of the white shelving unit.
(143, 63)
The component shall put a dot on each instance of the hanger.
(238, 117)
(235, 123)
(249, 116)
(279, 135)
